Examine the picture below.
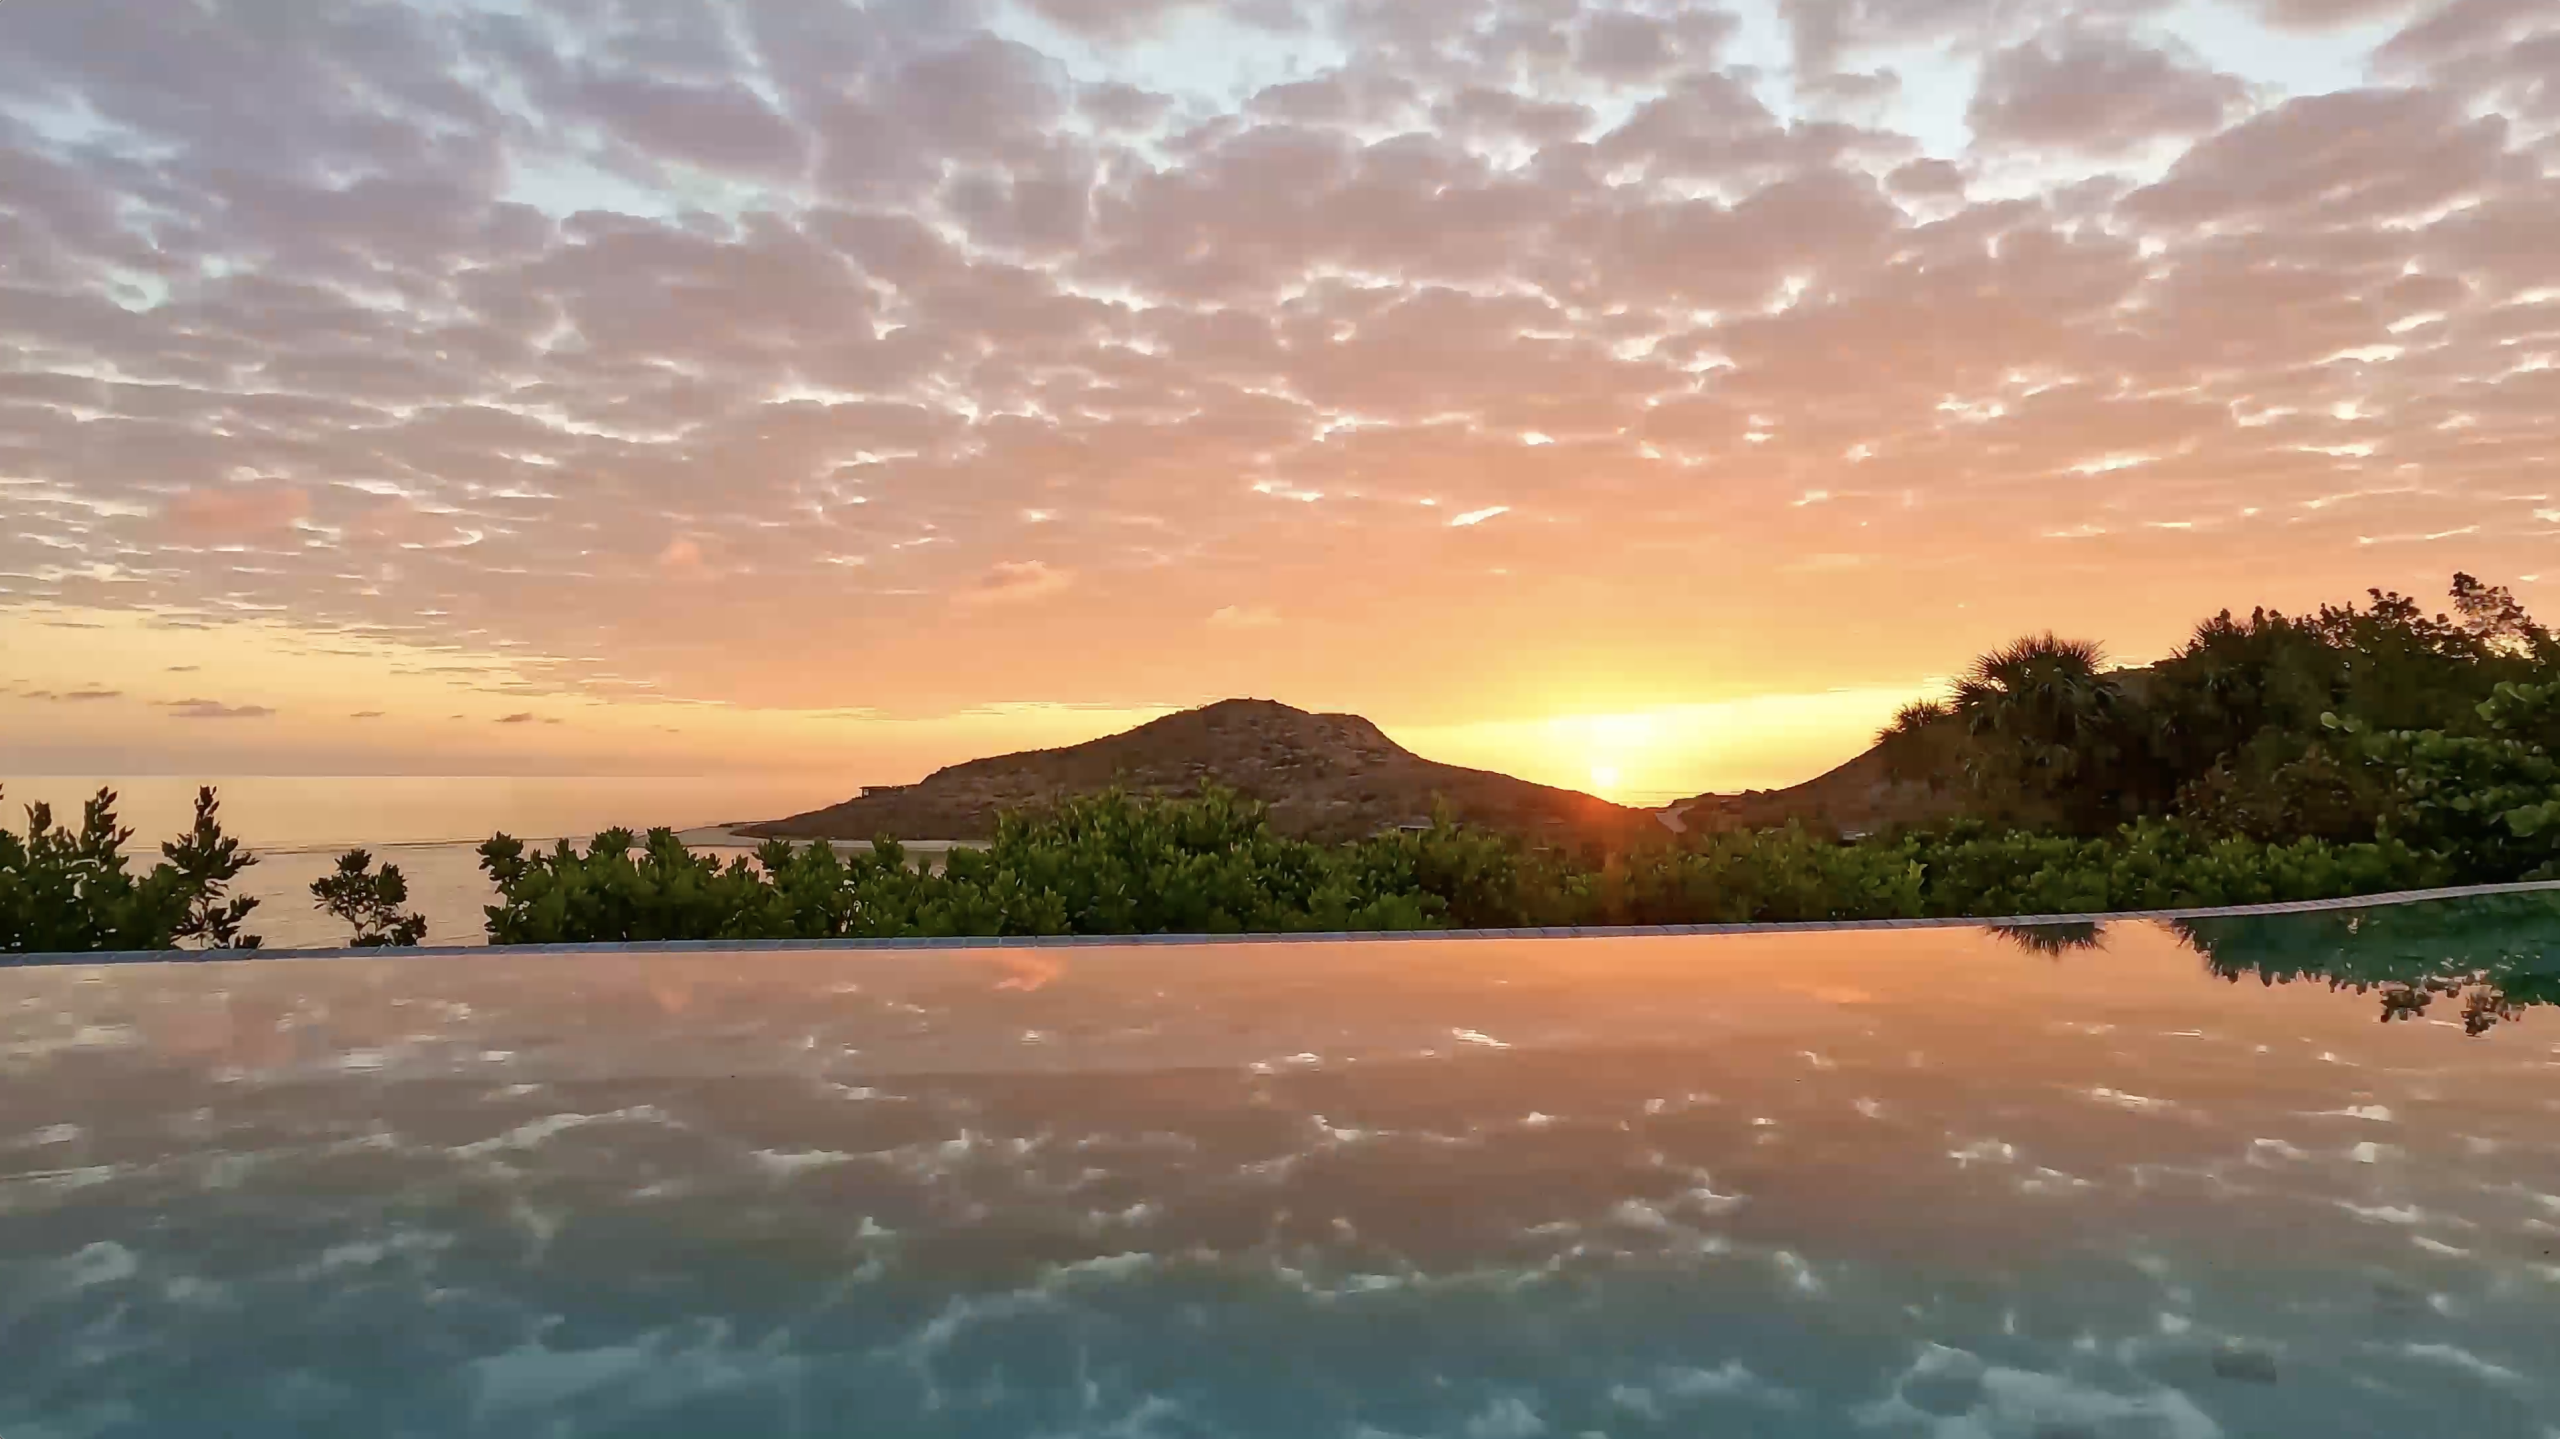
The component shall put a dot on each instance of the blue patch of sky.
(1937, 85)
(566, 176)
(1935, 81)
(137, 291)
(67, 121)
(1761, 41)
(2286, 62)
(70, 125)
(564, 184)
(1758, 45)
(1938, 80)
(1196, 54)
(2278, 64)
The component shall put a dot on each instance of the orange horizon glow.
(1643, 400)
(292, 718)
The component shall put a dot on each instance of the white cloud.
(670, 345)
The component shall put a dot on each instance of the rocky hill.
(1861, 797)
(1325, 776)
(1856, 798)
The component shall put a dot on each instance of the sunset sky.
(1636, 396)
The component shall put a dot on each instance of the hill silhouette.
(1862, 796)
(1858, 797)
(1324, 776)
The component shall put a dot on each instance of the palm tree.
(2047, 721)
(1910, 756)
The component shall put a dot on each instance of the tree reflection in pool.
(2497, 955)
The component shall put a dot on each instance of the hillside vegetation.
(2232, 733)
(2272, 726)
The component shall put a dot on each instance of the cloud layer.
(201, 709)
(928, 354)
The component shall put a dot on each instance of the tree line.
(2354, 750)
(2272, 726)
(76, 891)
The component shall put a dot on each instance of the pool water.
(2149, 1183)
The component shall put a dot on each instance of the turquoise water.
(2145, 1184)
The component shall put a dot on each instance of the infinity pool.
(2150, 1183)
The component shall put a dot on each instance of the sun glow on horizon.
(1657, 755)
(297, 703)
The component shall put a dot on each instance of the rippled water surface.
(2166, 1185)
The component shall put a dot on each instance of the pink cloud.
(204, 709)
(682, 557)
(2105, 93)
(228, 514)
(1010, 582)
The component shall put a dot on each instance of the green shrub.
(1112, 864)
(74, 892)
(1108, 864)
(369, 902)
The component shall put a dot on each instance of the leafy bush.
(1967, 870)
(1212, 865)
(369, 902)
(608, 894)
(1785, 875)
(2225, 733)
(205, 861)
(2490, 802)
(74, 892)
(1101, 865)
